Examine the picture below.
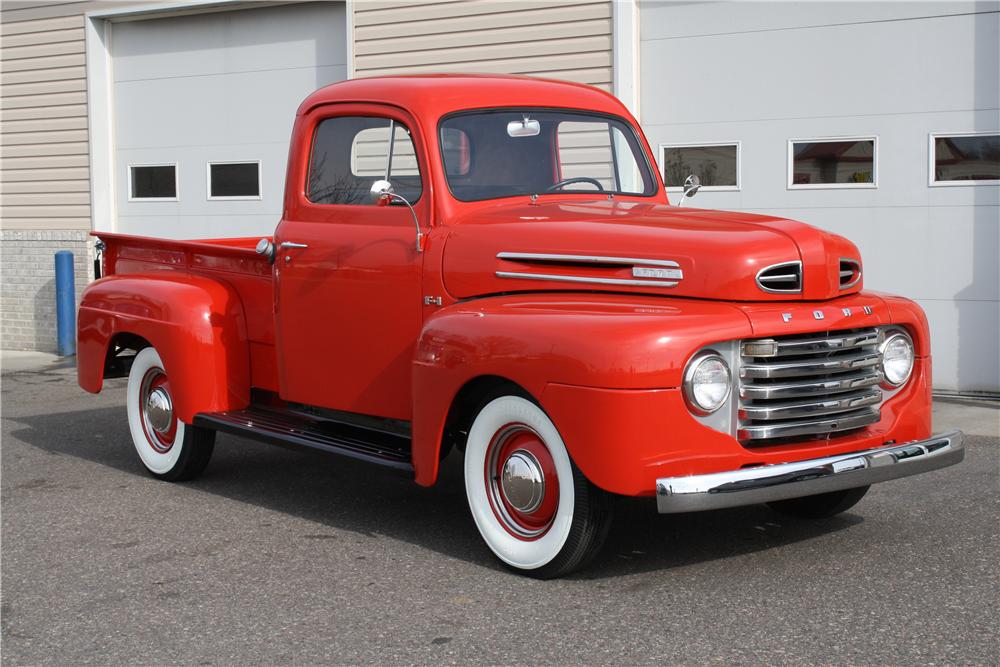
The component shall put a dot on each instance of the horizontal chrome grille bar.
(834, 385)
(844, 422)
(810, 345)
(807, 367)
(820, 408)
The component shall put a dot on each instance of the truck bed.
(230, 260)
(125, 254)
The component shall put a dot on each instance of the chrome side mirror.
(382, 194)
(691, 186)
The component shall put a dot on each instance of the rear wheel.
(168, 448)
(821, 506)
(534, 508)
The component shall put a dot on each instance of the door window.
(350, 153)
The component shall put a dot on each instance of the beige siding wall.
(561, 40)
(44, 173)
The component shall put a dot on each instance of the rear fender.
(196, 324)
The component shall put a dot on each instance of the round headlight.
(897, 358)
(707, 383)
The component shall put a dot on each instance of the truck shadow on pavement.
(347, 495)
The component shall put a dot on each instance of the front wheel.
(821, 506)
(534, 508)
(169, 449)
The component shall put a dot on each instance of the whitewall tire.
(168, 448)
(533, 507)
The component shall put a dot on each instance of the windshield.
(509, 152)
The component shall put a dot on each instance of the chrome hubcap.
(159, 410)
(523, 482)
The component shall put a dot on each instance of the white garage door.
(777, 76)
(203, 107)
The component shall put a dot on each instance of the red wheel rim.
(521, 481)
(156, 411)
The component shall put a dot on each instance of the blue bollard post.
(65, 304)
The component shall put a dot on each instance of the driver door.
(348, 273)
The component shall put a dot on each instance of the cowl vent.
(785, 278)
(850, 273)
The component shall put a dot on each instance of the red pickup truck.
(491, 265)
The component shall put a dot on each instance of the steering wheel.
(569, 181)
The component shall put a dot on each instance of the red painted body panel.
(340, 324)
(640, 436)
(195, 323)
(719, 253)
(625, 372)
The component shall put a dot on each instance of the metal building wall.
(764, 73)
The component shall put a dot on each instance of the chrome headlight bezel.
(893, 336)
(690, 396)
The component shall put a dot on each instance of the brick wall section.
(27, 267)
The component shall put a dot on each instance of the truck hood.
(626, 246)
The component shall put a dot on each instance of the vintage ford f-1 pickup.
(491, 265)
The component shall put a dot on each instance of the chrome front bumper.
(768, 483)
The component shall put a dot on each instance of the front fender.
(612, 342)
(196, 324)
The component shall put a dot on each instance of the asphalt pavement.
(277, 556)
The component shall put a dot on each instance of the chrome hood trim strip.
(586, 279)
(583, 259)
(645, 272)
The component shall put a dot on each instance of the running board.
(296, 429)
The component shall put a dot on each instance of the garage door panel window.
(965, 159)
(152, 182)
(350, 153)
(234, 180)
(833, 163)
(716, 164)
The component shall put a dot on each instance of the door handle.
(292, 244)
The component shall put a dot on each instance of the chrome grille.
(810, 385)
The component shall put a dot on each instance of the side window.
(350, 153)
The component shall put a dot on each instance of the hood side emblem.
(846, 311)
(868, 310)
(818, 314)
(665, 274)
(786, 317)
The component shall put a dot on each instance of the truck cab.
(491, 266)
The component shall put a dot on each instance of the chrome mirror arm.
(691, 186)
(381, 194)
(416, 222)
